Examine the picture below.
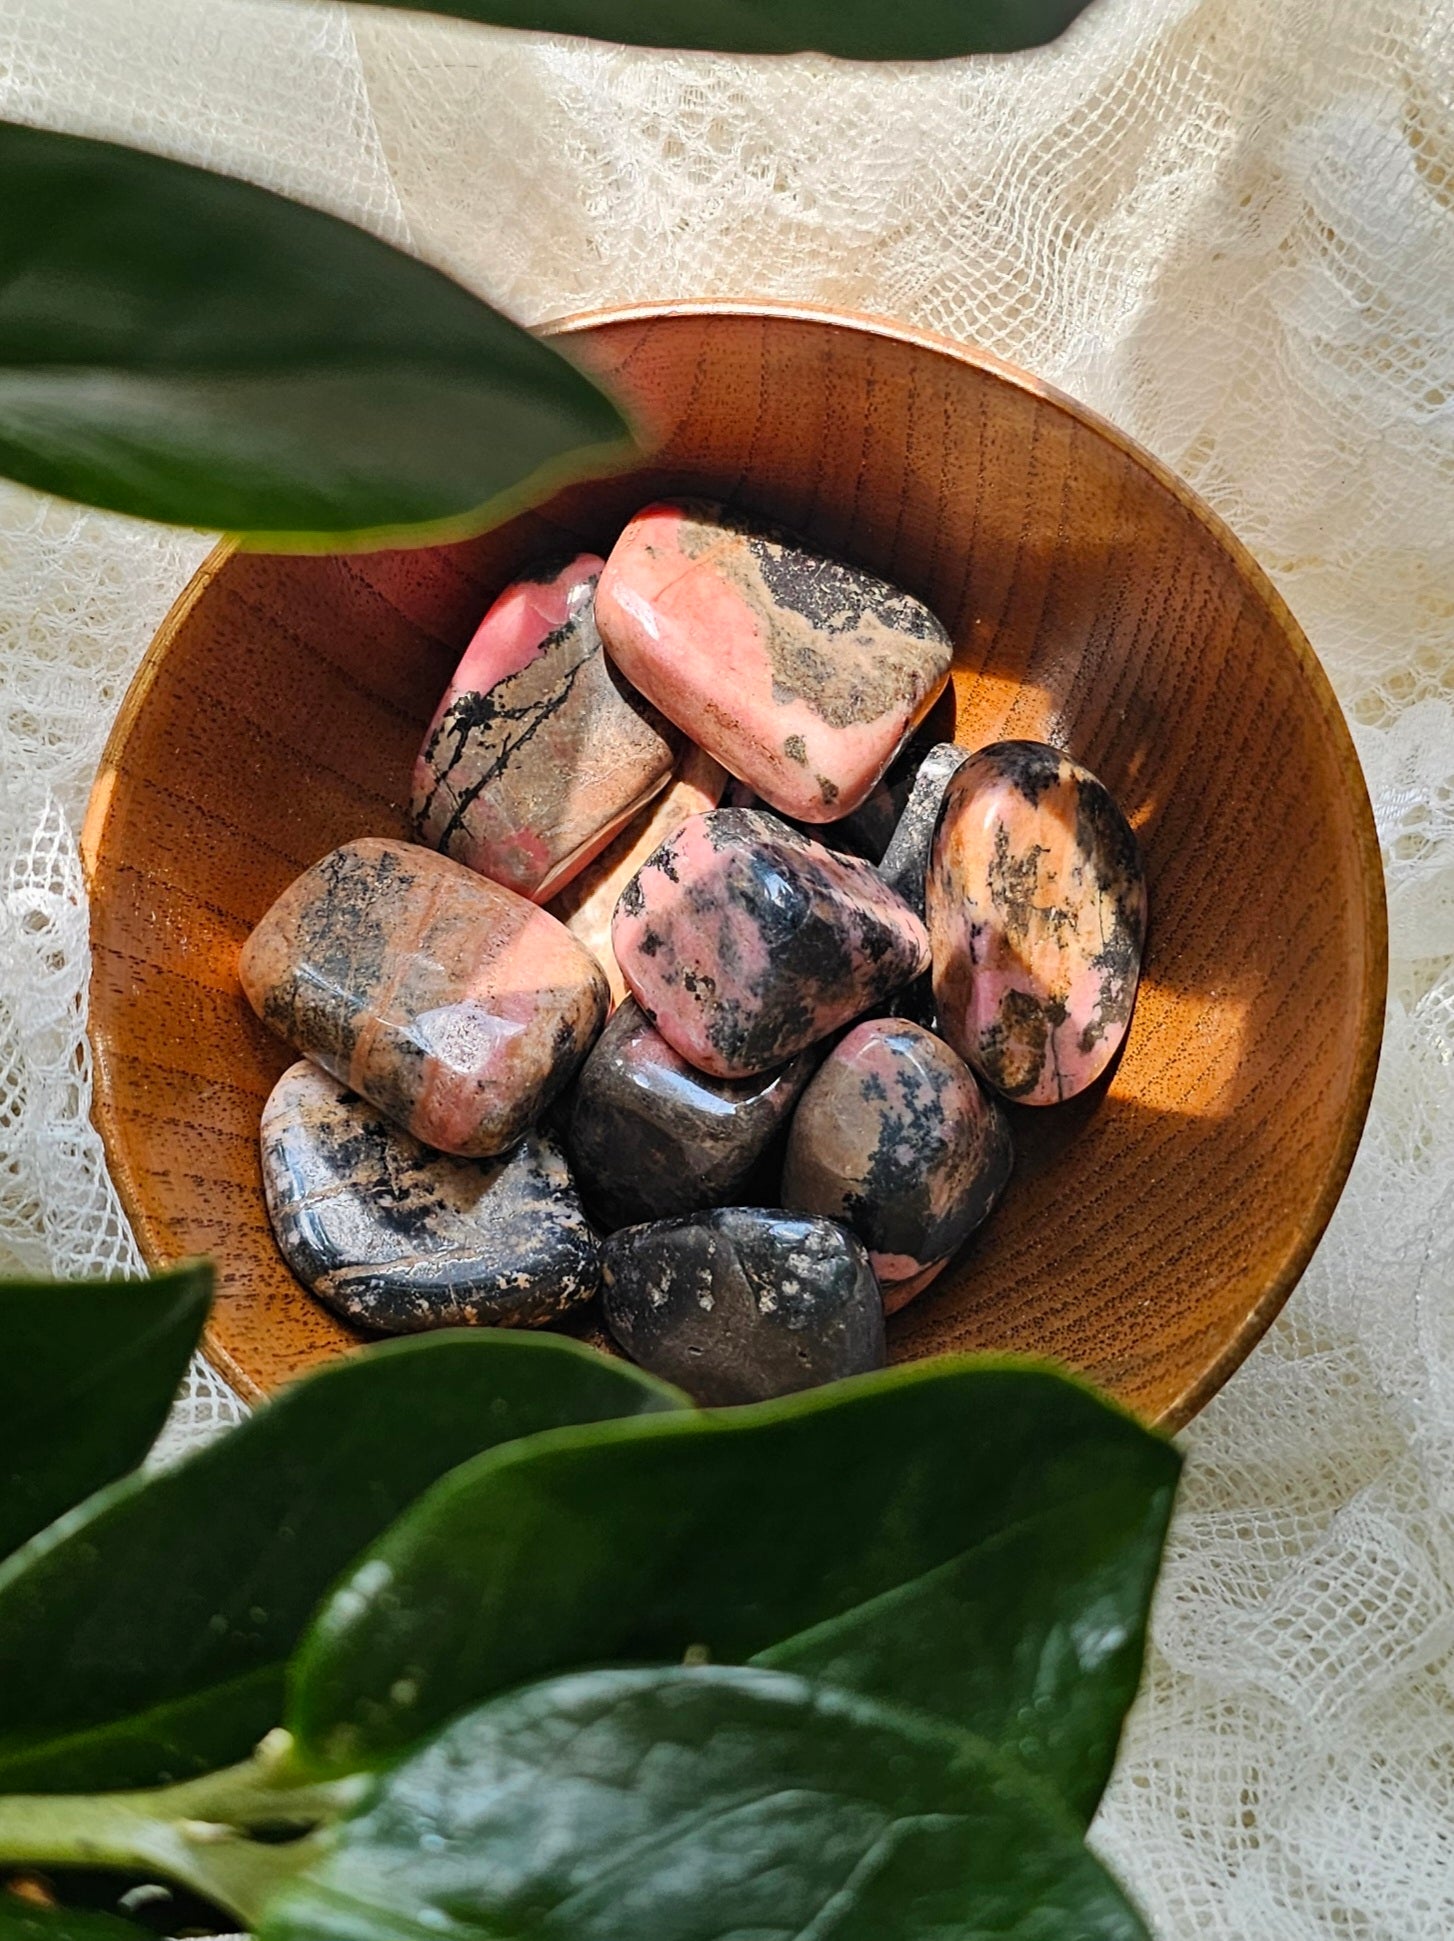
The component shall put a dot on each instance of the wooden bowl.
(1152, 1229)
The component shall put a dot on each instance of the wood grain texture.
(1153, 1228)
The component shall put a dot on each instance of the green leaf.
(685, 1804)
(144, 1635)
(862, 30)
(1033, 1639)
(1002, 1519)
(87, 1374)
(22, 1922)
(186, 347)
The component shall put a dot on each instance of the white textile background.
(1229, 225)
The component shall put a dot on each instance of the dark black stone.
(905, 862)
(916, 1003)
(649, 1135)
(742, 1304)
(396, 1237)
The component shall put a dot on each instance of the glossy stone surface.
(397, 1238)
(744, 942)
(895, 1138)
(904, 864)
(539, 752)
(649, 1135)
(802, 675)
(1037, 911)
(588, 902)
(869, 829)
(742, 1304)
(446, 1000)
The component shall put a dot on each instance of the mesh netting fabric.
(1229, 225)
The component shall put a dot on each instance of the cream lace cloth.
(1229, 224)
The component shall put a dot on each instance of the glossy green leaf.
(1005, 1518)
(20, 1921)
(863, 30)
(1033, 1639)
(87, 1373)
(186, 347)
(143, 1635)
(680, 1805)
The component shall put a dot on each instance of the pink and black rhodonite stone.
(539, 752)
(1037, 911)
(449, 1002)
(395, 1237)
(801, 674)
(745, 942)
(743, 1304)
(895, 1138)
(649, 1135)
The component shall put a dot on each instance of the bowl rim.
(1312, 1224)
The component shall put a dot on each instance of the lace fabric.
(1228, 225)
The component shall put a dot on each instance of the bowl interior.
(1153, 1228)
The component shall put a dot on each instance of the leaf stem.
(200, 1834)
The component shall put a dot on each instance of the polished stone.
(802, 675)
(539, 752)
(868, 829)
(1037, 911)
(744, 942)
(395, 1237)
(743, 1304)
(904, 864)
(650, 1136)
(895, 1138)
(588, 902)
(446, 1000)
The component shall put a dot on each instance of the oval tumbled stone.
(1037, 913)
(801, 674)
(446, 1000)
(745, 942)
(743, 1304)
(649, 1135)
(539, 752)
(894, 1137)
(396, 1238)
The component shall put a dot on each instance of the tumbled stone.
(802, 675)
(744, 942)
(588, 902)
(904, 864)
(446, 1000)
(396, 1238)
(895, 1138)
(1037, 911)
(869, 829)
(539, 752)
(916, 1003)
(649, 1135)
(743, 1304)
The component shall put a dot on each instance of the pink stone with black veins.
(745, 942)
(539, 752)
(1036, 903)
(894, 1137)
(447, 1001)
(801, 674)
